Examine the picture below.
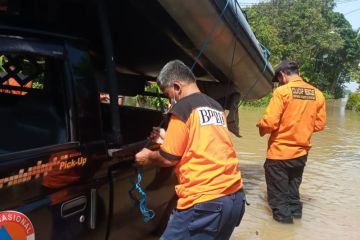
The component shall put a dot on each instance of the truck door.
(45, 188)
(127, 221)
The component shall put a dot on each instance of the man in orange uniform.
(295, 111)
(197, 141)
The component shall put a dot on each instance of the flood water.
(330, 189)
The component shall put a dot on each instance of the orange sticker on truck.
(56, 163)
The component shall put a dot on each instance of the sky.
(350, 8)
(351, 11)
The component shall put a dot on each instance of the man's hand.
(142, 158)
(157, 135)
(261, 132)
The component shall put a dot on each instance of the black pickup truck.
(66, 156)
(56, 165)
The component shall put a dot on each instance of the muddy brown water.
(330, 189)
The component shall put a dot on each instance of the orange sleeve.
(320, 115)
(270, 120)
(176, 139)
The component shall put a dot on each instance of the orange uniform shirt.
(295, 111)
(13, 82)
(198, 138)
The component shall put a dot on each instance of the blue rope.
(146, 213)
(206, 42)
(267, 54)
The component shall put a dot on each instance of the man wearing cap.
(295, 111)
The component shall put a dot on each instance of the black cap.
(283, 66)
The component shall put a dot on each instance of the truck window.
(138, 114)
(150, 99)
(31, 102)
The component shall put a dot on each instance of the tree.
(311, 33)
(345, 61)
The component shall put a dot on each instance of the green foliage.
(353, 102)
(262, 102)
(157, 102)
(38, 85)
(2, 62)
(328, 95)
(29, 68)
(130, 101)
(311, 33)
(355, 75)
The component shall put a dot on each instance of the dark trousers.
(215, 219)
(283, 179)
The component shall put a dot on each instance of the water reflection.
(331, 182)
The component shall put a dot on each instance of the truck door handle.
(73, 206)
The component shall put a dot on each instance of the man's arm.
(172, 149)
(270, 121)
(320, 115)
(146, 157)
